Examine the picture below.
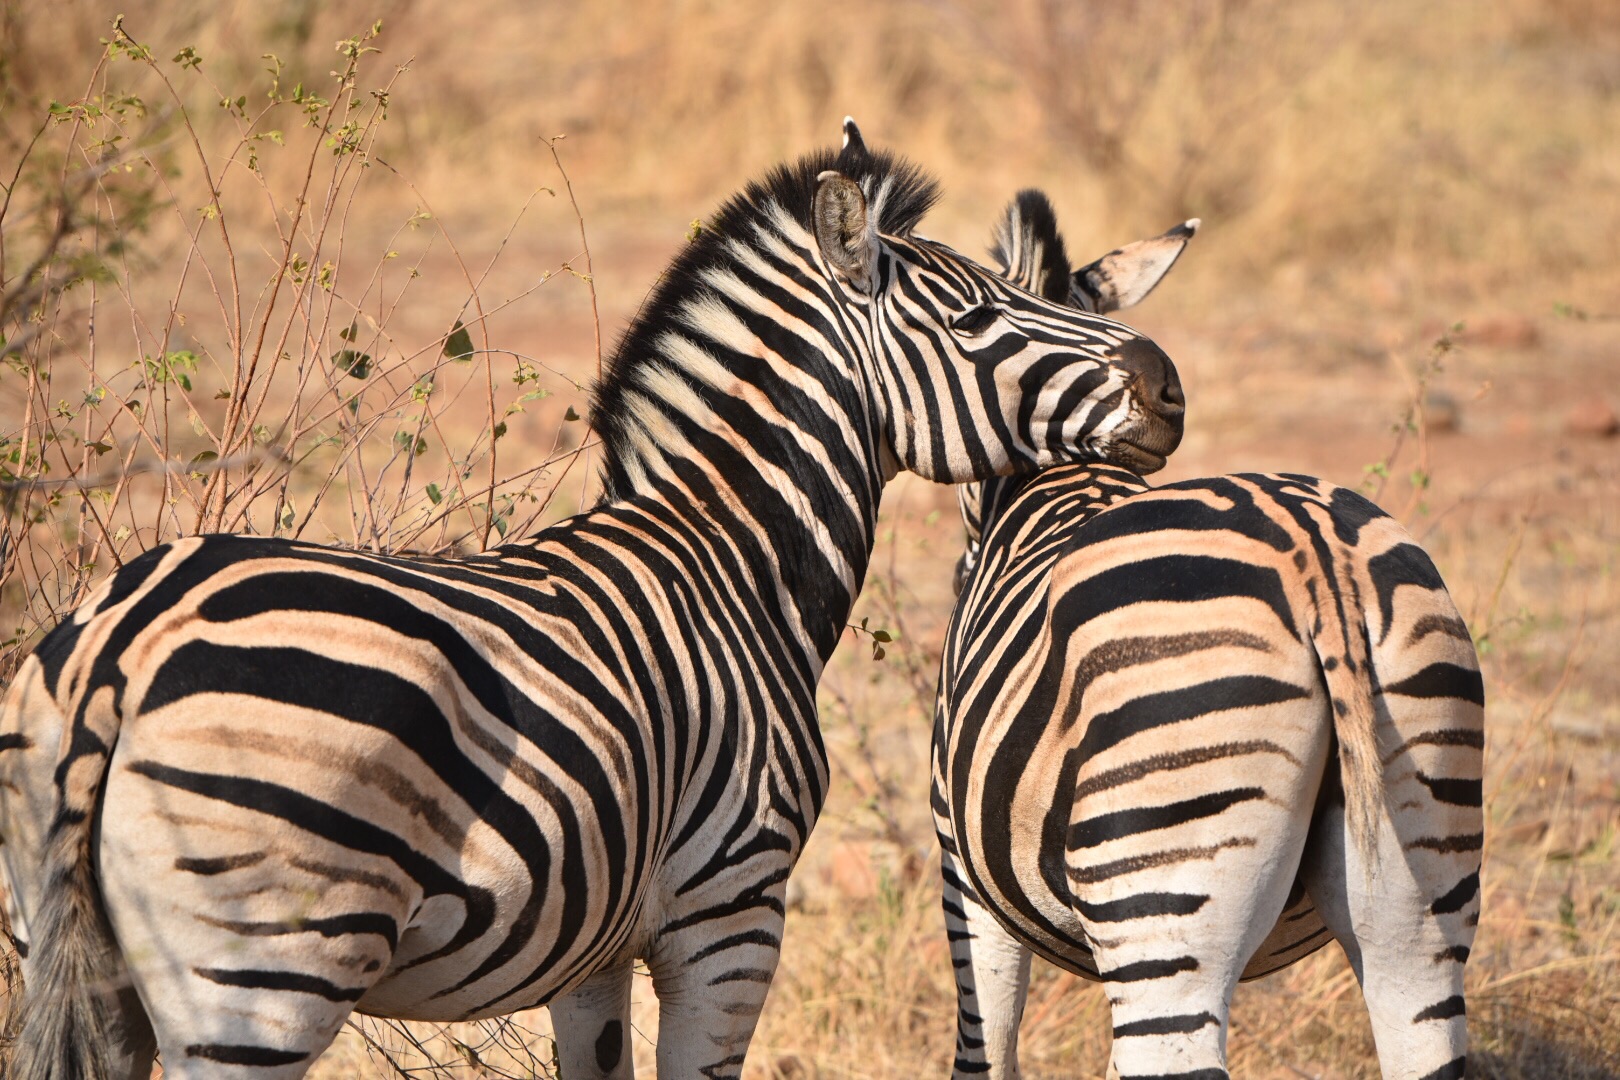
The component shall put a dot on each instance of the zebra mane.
(898, 194)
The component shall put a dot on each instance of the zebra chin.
(1146, 446)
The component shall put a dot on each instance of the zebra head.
(977, 374)
(1030, 252)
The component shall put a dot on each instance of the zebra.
(254, 785)
(1142, 690)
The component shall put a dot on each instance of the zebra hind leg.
(1176, 893)
(1421, 908)
(992, 978)
(711, 970)
(592, 1027)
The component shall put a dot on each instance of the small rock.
(792, 1067)
(1441, 413)
(850, 871)
(1501, 331)
(1593, 418)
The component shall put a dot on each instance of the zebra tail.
(1347, 671)
(74, 970)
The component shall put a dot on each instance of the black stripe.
(1166, 1025)
(1141, 906)
(1443, 680)
(290, 981)
(1457, 897)
(261, 1056)
(1122, 823)
(1449, 845)
(210, 867)
(1109, 729)
(333, 926)
(1170, 579)
(1443, 1010)
(1454, 792)
(1455, 1069)
(1143, 970)
(1403, 564)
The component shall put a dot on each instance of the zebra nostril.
(1155, 375)
(1171, 397)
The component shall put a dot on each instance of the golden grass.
(1368, 175)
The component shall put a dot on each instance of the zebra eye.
(975, 320)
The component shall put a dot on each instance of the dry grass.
(1368, 176)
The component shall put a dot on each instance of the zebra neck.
(773, 458)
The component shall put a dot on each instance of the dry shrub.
(202, 330)
(196, 341)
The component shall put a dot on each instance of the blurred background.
(257, 278)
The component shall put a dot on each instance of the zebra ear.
(1125, 277)
(1029, 248)
(845, 231)
(853, 143)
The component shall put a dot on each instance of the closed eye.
(975, 320)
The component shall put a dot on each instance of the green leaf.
(878, 652)
(201, 459)
(458, 345)
(882, 635)
(500, 429)
(348, 334)
(434, 495)
(570, 414)
(357, 364)
(410, 443)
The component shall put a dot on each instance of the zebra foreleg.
(992, 978)
(592, 1026)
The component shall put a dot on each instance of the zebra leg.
(1406, 927)
(992, 977)
(1178, 893)
(1413, 939)
(592, 1027)
(711, 970)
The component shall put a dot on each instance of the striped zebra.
(254, 785)
(1143, 693)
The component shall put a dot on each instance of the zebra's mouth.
(1138, 459)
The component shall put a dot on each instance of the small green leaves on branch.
(458, 343)
(174, 367)
(356, 363)
(879, 637)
